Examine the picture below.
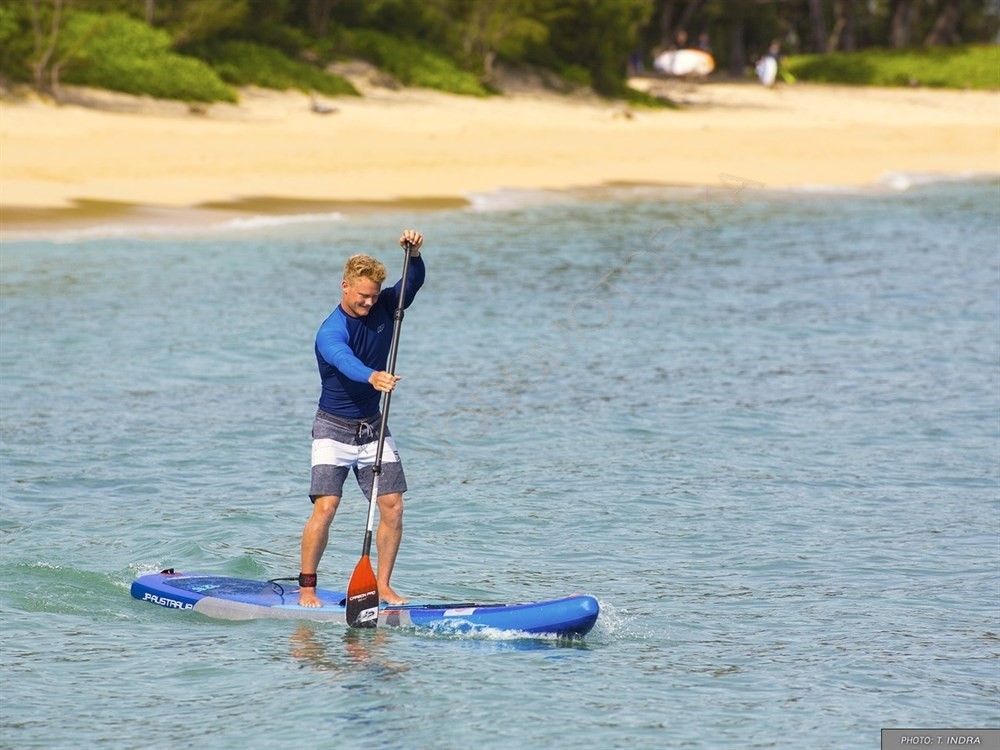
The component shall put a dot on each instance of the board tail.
(362, 596)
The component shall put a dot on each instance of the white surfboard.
(685, 62)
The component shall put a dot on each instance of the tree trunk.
(818, 24)
(945, 29)
(899, 30)
(842, 36)
(737, 48)
(848, 41)
(666, 25)
(319, 16)
(150, 11)
(689, 12)
(43, 52)
(54, 82)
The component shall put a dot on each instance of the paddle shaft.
(397, 318)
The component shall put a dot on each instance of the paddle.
(362, 591)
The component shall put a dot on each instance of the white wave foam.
(96, 232)
(193, 229)
(903, 181)
(509, 199)
(465, 631)
(506, 199)
(263, 221)
(890, 182)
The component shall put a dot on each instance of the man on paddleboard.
(352, 345)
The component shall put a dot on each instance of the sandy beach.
(272, 153)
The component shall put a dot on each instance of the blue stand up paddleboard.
(242, 599)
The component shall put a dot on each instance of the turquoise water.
(762, 428)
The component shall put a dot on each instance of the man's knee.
(325, 506)
(391, 506)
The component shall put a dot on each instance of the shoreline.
(25, 221)
(138, 162)
(97, 220)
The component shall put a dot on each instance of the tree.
(744, 20)
(45, 32)
(50, 55)
(675, 27)
(319, 12)
(817, 22)
(901, 23)
(187, 21)
(490, 25)
(597, 35)
(842, 36)
(684, 24)
(945, 29)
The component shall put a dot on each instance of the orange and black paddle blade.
(362, 596)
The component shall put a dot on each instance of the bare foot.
(308, 598)
(387, 595)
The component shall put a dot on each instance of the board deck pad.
(231, 598)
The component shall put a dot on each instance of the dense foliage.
(976, 67)
(122, 54)
(242, 63)
(412, 63)
(200, 49)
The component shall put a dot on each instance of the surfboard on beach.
(685, 62)
(230, 598)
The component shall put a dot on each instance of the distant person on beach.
(352, 346)
(636, 66)
(767, 66)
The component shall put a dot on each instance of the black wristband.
(307, 580)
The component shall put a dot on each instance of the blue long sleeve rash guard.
(349, 350)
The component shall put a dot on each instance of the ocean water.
(763, 428)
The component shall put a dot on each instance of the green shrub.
(122, 54)
(15, 43)
(412, 63)
(971, 66)
(285, 38)
(243, 63)
(576, 74)
(641, 99)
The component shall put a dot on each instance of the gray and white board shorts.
(340, 444)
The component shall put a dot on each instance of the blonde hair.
(364, 267)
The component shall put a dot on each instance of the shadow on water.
(350, 651)
(345, 652)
